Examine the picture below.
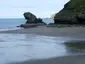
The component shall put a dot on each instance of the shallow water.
(22, 47)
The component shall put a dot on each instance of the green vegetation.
(72, 13)
(76, 5)
(76, 44)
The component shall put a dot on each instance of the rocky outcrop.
(71, 13)
(40, 21)
(81, 18)
(28, 25)
(65, 17)
(32, 21)
(31, 18)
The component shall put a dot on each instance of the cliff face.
(76, 5)
(73, 12)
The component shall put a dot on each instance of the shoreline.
(77, 59)
(49, 31)
(52, 31)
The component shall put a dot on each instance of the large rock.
(32, 19)
(65, 17)
(70, 14)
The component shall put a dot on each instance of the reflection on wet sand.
(73, 47)
(22, 47)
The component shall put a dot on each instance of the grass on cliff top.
(72, 7)
(77, 5)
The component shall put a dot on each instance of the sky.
(41, 8)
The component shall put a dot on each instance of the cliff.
(72, 13)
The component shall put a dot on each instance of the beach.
(58, 60)
(33, 33)
(44, 38)
(50, 31)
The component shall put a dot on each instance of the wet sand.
(59, 60)
(50, 31)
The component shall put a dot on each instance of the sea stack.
(32, 21)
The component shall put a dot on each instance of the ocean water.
(11, 23)
(23, 47)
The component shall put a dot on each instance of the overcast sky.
(41, 8)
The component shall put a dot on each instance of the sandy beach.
(50, 31)
(59, 60)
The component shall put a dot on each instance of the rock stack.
(32, 21)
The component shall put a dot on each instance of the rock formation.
(31, 18)
(71, 13)
(28, 25)
(81, 18)
(32, 21)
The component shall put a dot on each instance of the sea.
(12, 23)
(25, 47)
